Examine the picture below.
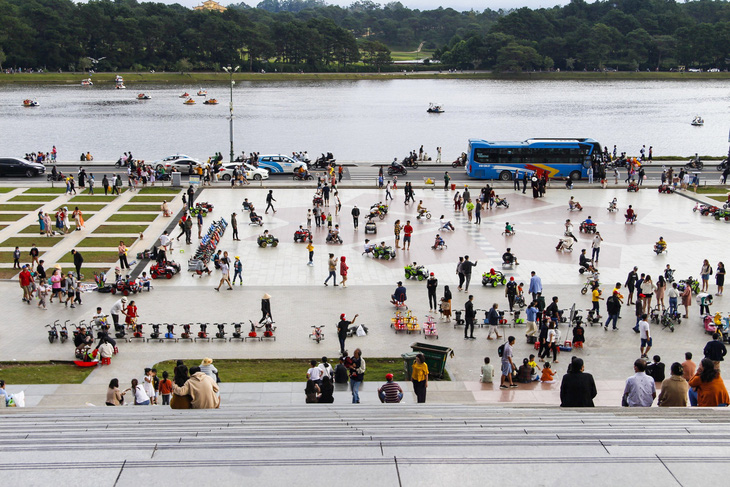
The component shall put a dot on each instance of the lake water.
(363, 120)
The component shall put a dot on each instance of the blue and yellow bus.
(559, 158)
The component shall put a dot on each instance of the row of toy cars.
(717, 212)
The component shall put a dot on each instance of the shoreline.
(213, 77)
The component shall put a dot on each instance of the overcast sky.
(419, 4)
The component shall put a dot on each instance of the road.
(369, 172)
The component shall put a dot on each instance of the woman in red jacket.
(343, 271)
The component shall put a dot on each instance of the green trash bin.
(435, 357)
(408, 359)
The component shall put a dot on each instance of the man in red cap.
(390, 392)
(431, 285)
(342, 328)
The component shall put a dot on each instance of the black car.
(14, 166)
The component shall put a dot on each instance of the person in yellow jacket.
(419, 377)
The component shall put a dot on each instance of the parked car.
(14, 166)
(277, 163)
(226, 171)
(179, 161)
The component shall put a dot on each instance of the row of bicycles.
(207, 247)
(162, 332)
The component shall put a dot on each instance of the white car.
(226, 171)
(179, 161)
(277, 163)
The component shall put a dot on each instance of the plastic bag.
(17, 400)
(360, 331)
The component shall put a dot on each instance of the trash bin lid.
(409, 355)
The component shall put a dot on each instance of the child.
(43, 290)
(534, 366)
(16, 258)
(131, 313)
(520, 292)
(487, 372)
(144, 282)
(148, 386)
(165, 388)
(548, 376)
(508, 229)
(329, 221)
(155, 385)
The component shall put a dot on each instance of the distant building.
(210, 5)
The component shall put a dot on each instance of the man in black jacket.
(355, 216)
(613, 306)
(431, 286)
(78, 260)
(578, 388)
(469, 313)
(715, 350)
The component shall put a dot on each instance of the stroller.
(493, 278)
(439, 243)
(415, 271)
(565, 245)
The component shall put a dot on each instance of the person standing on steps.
(270, 201)
(419, 377)
(265, 308)
(431, 286)
(466, 268)
(507, 364)
(355, 216)
(78, 261)
(342, 328)
(469, 315)
(332, 264)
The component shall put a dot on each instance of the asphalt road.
(369, 172)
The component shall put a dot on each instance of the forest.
(310, 35)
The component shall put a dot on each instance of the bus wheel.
(575, 175)
(505, 176)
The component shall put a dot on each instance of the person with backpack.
(508, 367)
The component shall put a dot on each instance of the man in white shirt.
(645, 335)
(640, 390)
(166, 242)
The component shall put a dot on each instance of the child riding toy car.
(267, 239)
(415, 271)
(493, 278)
(588, 226)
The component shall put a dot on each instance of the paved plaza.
(300, 300)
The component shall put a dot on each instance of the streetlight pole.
(230, 71)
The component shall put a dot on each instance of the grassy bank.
(197, 79)
(286, 370)
(43, 373)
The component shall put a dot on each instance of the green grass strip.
(11, 217)
(25, 243)
(130, 217)
(148, 199)
(112, 242)
(46, 190)
(90, 257)
(20, 207)
(6, 190)
(33, 198)
(286, 370)
(131, 229)
(160, 190)
(713, 189)
(137, 208)
(93, 198)
(43, 373)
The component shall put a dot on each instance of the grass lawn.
(90, 257)
(713, 189)
(129, 217)
(92, 198)
(160, 190)
(6, 273)
(20, 207)
(26, 242)
(131, 229)
(88, 272)
(136, 208)
(148, 199)
(83, 207)
(32, 198)
(2, 226)
(43, 373)
(47, 190)
(6, 190)
(412, 56)
(722, 199)
(286, 370)
(104, 242)
(11, 217)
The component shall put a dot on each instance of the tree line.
(289, 35)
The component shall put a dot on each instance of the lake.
(363, 120)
